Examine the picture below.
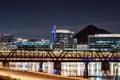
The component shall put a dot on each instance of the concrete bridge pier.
(57, 68)
(105, 68)
(5, 64)
(86, 70)
(40, 67)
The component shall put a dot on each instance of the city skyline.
(36, 18)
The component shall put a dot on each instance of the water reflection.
(74, 69)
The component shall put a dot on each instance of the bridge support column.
(5, 64)
(86, 70)
(105, 67)
(57, 68)
(40, 67)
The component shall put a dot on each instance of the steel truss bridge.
(57, 56)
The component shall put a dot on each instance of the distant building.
(63, 38)
(7, 38)
(82, 47)
(7, 42)
(33, 45)
(104, 42)
(20, 40)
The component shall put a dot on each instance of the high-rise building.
(63, 38)
(104, 42)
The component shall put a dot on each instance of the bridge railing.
(73, 55)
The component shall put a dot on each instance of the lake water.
(74, 69)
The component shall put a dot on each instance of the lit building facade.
(63, 38)
(31, 45)
(104, 42)
(82, 47)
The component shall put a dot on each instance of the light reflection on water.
(74, 69)
(106, 78)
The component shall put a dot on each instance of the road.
(27, 75)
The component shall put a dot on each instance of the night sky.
(35, 18)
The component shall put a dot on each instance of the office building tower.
(63, 38)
